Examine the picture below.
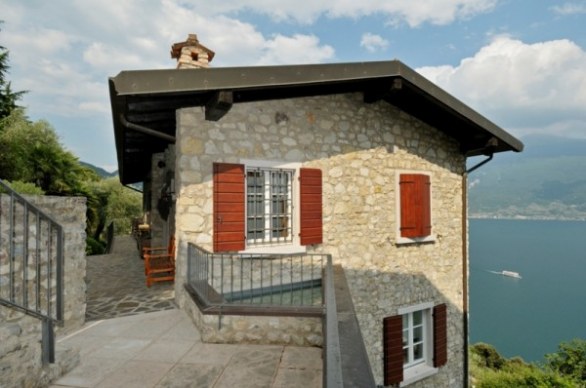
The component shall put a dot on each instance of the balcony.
(256, 284)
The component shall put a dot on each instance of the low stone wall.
(233, 329)
(20, 334)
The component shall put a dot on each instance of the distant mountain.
(545, 181)
(100, 171)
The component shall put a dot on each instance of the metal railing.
(31, 264)
(243, 284)
(288, 284)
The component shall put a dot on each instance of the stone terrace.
(136, 337)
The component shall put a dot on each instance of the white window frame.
(416, 371)
(289, 247)
(408, 240)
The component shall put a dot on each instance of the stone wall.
(360, 149)
(20, 334)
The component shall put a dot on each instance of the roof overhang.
(144, 103)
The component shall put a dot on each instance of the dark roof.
(144, 102)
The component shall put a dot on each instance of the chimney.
(191, 54)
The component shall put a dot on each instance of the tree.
(31, 152)
(8, 97)
(117, 204)
(570, 360)
(110, 202)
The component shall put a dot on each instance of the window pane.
(417, 318)
(417, 352)
(405, 356)
(418, 334)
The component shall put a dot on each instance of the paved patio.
(164, 349)
(136, 337)
(116, 284)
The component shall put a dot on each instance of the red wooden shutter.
(229, 231)
(440, 335)
(311, 206)
(393, 349)
(415, 205)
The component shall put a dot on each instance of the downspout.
(465, 272)
(465, 275)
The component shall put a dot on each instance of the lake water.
(527, 317)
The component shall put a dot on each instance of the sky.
(520, 63)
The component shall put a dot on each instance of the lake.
(527, 317)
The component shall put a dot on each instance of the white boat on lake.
(511, 274)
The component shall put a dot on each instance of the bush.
(491, 370)
(526, 376)
(94, 247)
(570, 360)
(25, 188)
(488, 355)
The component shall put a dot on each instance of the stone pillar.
(20, 334)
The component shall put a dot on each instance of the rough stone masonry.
(360, 148)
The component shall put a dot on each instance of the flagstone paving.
(135, 336)
(116, 284)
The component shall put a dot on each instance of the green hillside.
(546, 181)
(100, 171)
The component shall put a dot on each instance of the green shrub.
(491, 370)
(94, 247)
(569, 360)
(25, 188)
(488, 356)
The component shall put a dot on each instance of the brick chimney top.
(191, 54)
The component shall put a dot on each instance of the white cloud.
(66, 62)
(570, 9)
(373, 43)
(294, 50)
(82, 42)
(525, 86)
(414, 13)
(94, 107)
(111, 58)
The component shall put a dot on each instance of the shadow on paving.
(116, 284)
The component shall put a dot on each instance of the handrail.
(255, 284)
(31, 263)
(345, 359)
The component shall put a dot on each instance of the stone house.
(365, 162)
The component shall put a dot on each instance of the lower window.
(415, 343)
(415, 338)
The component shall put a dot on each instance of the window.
(415, 343)
(269, 206)
(414, 208)
(415, 337)
(263, 206)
